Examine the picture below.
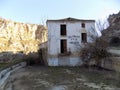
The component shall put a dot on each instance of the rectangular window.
(83, 25)
(63, 29)
(84, 37)
(63, 46)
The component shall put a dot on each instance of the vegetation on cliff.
(21, 37)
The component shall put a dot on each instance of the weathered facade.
(65, 38)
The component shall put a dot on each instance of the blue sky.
(36, 11)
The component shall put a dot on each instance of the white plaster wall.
(53, 38)
(52, 61)
(71, 61)
(73, 37)
(75, 61)
(73, 29)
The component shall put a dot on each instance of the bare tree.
(102, 24)
(96, 49)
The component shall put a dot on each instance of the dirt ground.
(63, 78)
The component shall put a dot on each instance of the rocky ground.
(63, 78)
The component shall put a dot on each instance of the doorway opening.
(63, 46)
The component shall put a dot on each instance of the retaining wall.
(4, 74)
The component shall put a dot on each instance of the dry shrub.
(115, 41)
(94, 51)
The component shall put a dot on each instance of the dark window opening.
(84, 37)
(63, 46)
(83, 25)
(63, 29)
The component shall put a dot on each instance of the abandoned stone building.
(65, 38)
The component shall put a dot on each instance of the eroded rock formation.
(16, 36)
(114, 29)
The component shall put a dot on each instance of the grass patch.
(92, 75)
(97, 76)
(72, 77)
(8, 64)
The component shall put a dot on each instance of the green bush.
(43, 56)
(8, 64)
(31, 58)
(30, 61)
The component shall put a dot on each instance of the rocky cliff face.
(114, 29)
(16, 36)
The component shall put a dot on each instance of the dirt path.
(56, 78)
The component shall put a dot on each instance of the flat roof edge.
(71, 19)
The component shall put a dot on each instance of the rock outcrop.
(114, 29)
(21, 37)
(112, 35)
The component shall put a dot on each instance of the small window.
(63, 29)
(84, 37)
(83, 25)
